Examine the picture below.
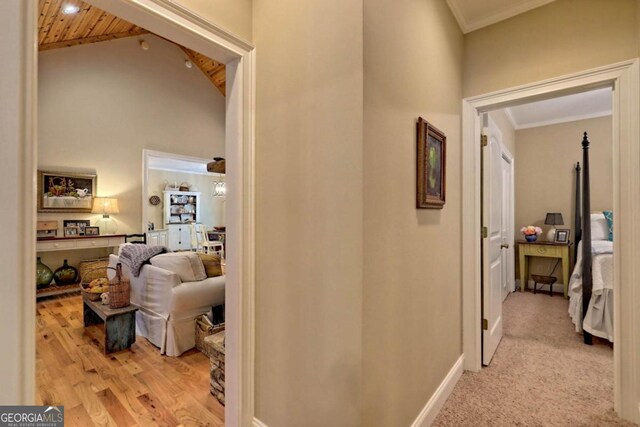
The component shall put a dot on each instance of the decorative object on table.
(92, 231)
(94, 289)
(65, 192)
(80, 223)
(562, 235)
(46, 230)
(72, 231)
(44, 275)
(106, 206)
(119, 289)
(432, 165)
(65, 275)
(92, 269)
(155, 200)
(217, 166)
(531, 232)
(553, 218)
(105, 298)
(216, 343)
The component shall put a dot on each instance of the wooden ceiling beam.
(95, 39)
(197, 59)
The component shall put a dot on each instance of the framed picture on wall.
(431, 167)
(562, 236)
(65, 192)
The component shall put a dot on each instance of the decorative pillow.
(186, 265)
(599, 227)
(609, 216)
(211, 264)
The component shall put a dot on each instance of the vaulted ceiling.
(84, 24)
(473, 14)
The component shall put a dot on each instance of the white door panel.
(497, 212)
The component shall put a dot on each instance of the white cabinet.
(181, 207)
(158, 238)
(179, 237)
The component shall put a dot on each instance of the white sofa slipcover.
(169, 306)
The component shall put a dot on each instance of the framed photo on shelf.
(80, 223)
(562, 236)
(431, 167)
(92, 231)
(71, 231)
(65, 192)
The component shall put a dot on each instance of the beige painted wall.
(545, 176)
(100, 105)
(506, 129)
(412, 257)
(309, 212)
(232, 15)
(211, 208)
(563, 37)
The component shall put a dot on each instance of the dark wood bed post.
(587, 279)
(577, 220)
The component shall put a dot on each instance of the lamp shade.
(105, 206)
(554, 218)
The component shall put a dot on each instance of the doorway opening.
(623, 78)
(179, 25)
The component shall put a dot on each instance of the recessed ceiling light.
(70, 9)
(188, 63)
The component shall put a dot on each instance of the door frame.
(624, 78)
(19, 124)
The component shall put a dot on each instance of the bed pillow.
(186, 265)
(211, 264)
(599, 227)
(609, 216)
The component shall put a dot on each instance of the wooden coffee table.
(119, 323)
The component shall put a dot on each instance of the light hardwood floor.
(128, 388)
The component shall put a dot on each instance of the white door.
(508, 251)
(492, 242)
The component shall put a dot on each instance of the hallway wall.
(309, 212)
(412, 266)
(562, 37)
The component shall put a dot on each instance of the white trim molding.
(498, 14)
(434, 405)
(18, 133)
(558, 121)
(258, 423)
(624, 78)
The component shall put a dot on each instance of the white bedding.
(599, 318)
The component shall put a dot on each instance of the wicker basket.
(98, 270)
(93, 269)
(119, 289)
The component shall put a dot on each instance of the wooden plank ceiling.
(91, 25)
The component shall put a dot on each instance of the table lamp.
(106, 206)
(553, 218)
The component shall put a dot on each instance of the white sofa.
(168, 306)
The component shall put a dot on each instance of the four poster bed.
(591, 283)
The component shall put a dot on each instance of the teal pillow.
(609, 216)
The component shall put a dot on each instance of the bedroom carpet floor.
(541, 375)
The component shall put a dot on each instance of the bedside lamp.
(106, 206)
(553, 218)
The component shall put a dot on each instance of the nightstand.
(545, 250)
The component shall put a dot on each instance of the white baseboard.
(433, 406)
(258, 423)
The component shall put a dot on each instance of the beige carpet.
(541, 375)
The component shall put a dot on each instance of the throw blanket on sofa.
(135, 256)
